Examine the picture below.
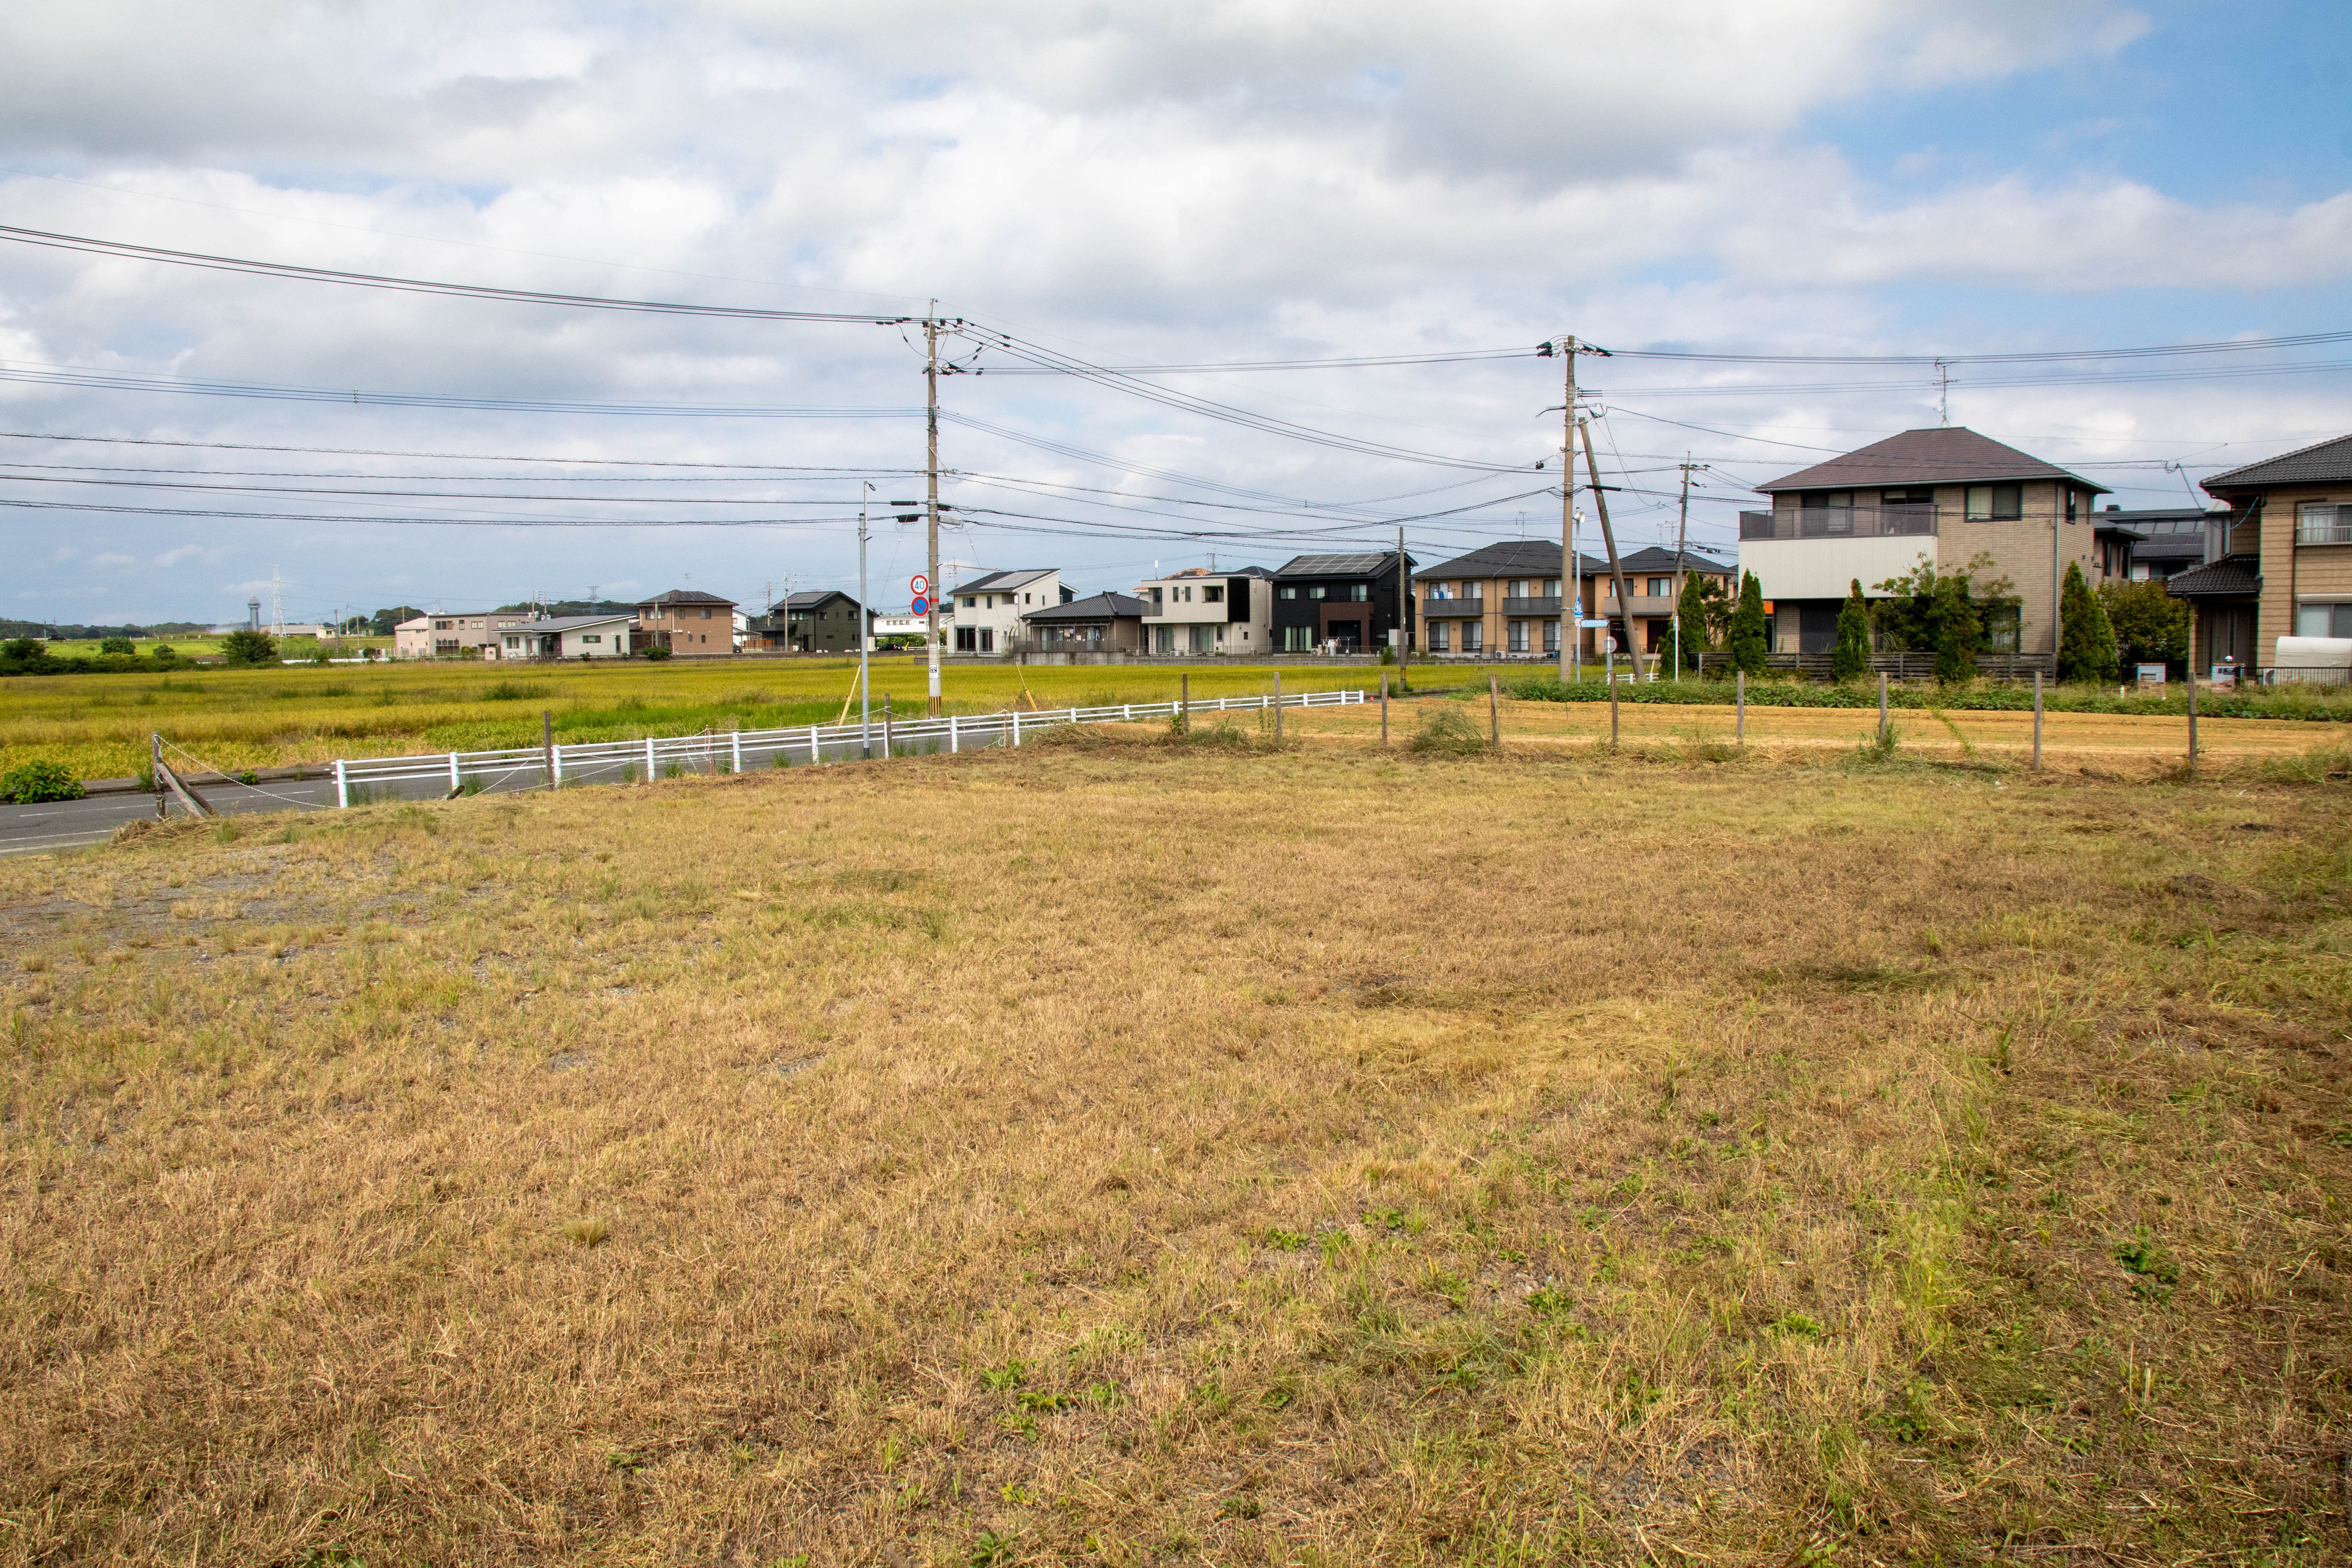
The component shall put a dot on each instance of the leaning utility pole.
(1571, 609)
(931, 599)
(1609, 538)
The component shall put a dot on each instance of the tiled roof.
(810, 598)
(1365, 565)
(2325, 463)
(1951, 455)
(1512, 558)
(1101, 606)
(684, 597)
(1658, 558)
(2233, 577)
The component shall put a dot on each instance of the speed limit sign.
(918, 585)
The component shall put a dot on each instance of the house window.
(1296, 639)
(1212, 595)
(2323, 522)
(987, 640)
(1518, 590)
(1996, 503)
(1155, 597)
(706, 615)
(1441, 590)
(1661, 588)
(1437, 636)
(966, 638)
(1359, 593)
(970, 602)
(2002, 623)
(1287, 593)
(1475, 588)
(2323, 620)
(585, 637)
(1551, 639)
(1474, 636)
(1318, 591)
(1551, 588)
(1518, 634)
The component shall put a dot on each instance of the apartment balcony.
(1646, 606)
(1519, 607)
(1839, 522)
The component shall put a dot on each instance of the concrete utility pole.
(1681, 544)
(931, 599)
(1609, 538)
(1571, 608)
(1404, 618)
(865, 690)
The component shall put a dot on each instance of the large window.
(1518, 634)
(1996, 503)
(1212, 595)
(1475, 588)
(1474, 636)
(1438, 637)
(1551, 639)
(1298, 639)
(2323, 522)
(1287, 593)
(1318, 591)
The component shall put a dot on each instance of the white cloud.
(113, 558)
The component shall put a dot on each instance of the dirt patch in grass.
(1153, 1154)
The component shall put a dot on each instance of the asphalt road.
(67, 824)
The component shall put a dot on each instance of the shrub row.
(2334, 707)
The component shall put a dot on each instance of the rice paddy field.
(98, 725)
(1142, 1150)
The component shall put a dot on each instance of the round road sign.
(918, 585)
(922, 606)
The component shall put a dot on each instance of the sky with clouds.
(1124, 185)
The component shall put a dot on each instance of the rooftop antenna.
(1943, 393)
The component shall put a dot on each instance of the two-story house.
(1504, 600)
(689, 623)
(816, 620)
(988, 609)
(1340, 603)
(2283, 564)
(1944, 496)
(1198, 611)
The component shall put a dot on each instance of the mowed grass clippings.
(1132, 1153)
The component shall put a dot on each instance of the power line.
(2234, 345)
(425, 285)
(457, 456)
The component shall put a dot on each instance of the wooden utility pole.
(1384, 709)
(1571, 609)
(1493, 712)
(2192, 714)
(1609, 538)
(931, 419)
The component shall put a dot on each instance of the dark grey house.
(1346, 604)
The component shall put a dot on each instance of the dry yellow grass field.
(1128, 1151)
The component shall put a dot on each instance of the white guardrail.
(733, 751)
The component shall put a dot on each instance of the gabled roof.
(1370, 564)
(1953, 455)
(814, 598)
(1658, 558)
(1512, 558)
(1102, 607)
(2232, 577)
(998, 581)
(2325, 463)
(677, 597)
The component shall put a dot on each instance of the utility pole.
(1571, 610)
(1682, 543)
(931, 599)
(864, 692)
(1609, 538)
(1404, 623)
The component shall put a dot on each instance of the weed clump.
(1447, 732)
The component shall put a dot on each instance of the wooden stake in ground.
(2193, 721)
(1384, 708)
(1612, 706)
(1882, 710)
(886, 724)
(1277, 706)
(1739, 709)
(547, 743)
(1493, 711)
(2037, 721)
(1184, 703)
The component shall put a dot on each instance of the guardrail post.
(555, 765)
(735, 743)
(649, 759)
(955, 740)
(455, 783)
(342, 788)
(1017, 726)
(816, 752)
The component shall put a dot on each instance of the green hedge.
(2329, 705)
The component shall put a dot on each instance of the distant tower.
(253, 615)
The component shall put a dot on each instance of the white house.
(1201, 612)
(453, 636)
(988, 610)
(570, 636)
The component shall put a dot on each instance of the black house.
(1345, 603)
(822, 620)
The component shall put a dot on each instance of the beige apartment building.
(1503, 601)
(1942, 496)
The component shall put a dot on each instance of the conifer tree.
(2086, 639)
(1851, 657)
(1690, 616)
(1748, 633)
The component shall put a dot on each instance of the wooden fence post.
(2192, 720)
(1278, 709)
(1184, 703)
(1493, 712)
(2037, 719)
(1882, 710)
(1740, 720)
(1384, 709)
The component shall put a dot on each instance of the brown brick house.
(687, 622)
(2285, 565)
